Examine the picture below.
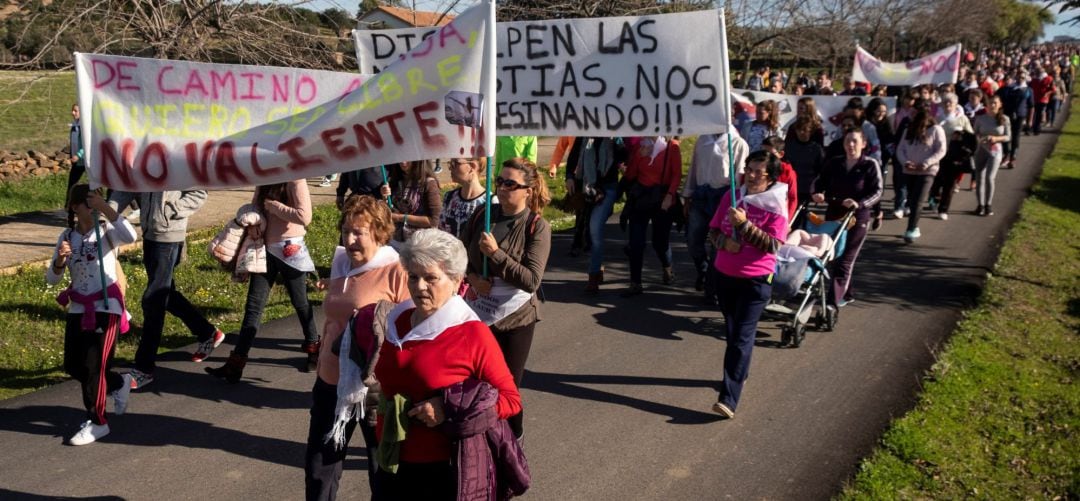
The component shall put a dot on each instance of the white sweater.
(83, 262)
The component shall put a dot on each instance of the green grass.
(33, 194)
(35, 109)
(999, 416)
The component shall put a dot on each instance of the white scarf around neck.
(452, 313)
(341, 267)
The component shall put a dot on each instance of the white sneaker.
(120, 396)
(944, 216)
(89, 433)
(898, 214)
(723, 410)
(133, 217)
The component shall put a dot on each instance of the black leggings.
(515, 345)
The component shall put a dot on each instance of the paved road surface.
(617, 393)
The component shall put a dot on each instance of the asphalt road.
(617, 394)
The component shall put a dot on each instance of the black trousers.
(419, 481)
(88, 357)
(515, 345)
(322, 462)
(259, 285)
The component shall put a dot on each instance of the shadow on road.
(152, 430)
(248, 392)
(569, 385)
(26, 496)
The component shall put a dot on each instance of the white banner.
(615, 76)
(830, 109)
(152, 125)
(940, 67)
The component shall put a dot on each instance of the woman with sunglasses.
(515, 250)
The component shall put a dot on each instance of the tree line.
(812, 33)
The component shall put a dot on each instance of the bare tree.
(244, 31)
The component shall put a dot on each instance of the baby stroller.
(802, 280)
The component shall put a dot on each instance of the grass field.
(35, 109)
(33, 194)
(999, 417)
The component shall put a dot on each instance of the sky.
(351, 6)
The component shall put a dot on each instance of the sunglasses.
(508, 184)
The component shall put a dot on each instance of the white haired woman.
(433, 341)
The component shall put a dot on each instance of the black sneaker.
(699, 283)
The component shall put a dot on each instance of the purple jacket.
(490, 463)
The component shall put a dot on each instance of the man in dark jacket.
(360, 182)
(1017, 102)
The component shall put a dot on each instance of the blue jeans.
(600, 214)
(161, 296)
(661, 241)
(259, 285)
(703, 205)
(741, 301)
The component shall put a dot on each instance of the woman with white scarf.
(365, 270)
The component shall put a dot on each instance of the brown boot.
(233, 369)
(312, 350)
(669, 276)
(595, 279)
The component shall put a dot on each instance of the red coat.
(787, 176)
(1042, 89)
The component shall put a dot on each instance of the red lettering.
(158, 150)
(120, 76)
(356, 83)
(121, 165)
(195, 82)
(256, 168)
(423, 49)
(312, 88)
(251, 77)
(225, 164)
(199, 164)
(426, 124)
(94, 65)
(298, 161)
(371, 133)
(219, 82)
(281, 90)
(391, 120)
(161, 82)
(450, 31)
(333, 141)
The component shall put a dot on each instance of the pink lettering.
(251, 78)
(280, 89)
(309, 83)
(219, 82)
(161, 82)
(195, 82)
(121, 76)
(94, 65)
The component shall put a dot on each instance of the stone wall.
(19, 165)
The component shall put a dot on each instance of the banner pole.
(386, 182)
(487, 207)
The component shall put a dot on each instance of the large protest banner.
(940, 67)
(614, 76)
(164, 125)
(830, 109)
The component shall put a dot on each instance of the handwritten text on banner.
(165, 125)
(613, 76)
(940, 67)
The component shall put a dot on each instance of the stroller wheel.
(785, 335)
(798, 335)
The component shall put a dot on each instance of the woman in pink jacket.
(747, 238)
(286, 210)
(919, 153)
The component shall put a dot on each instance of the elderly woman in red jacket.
(433, 341)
